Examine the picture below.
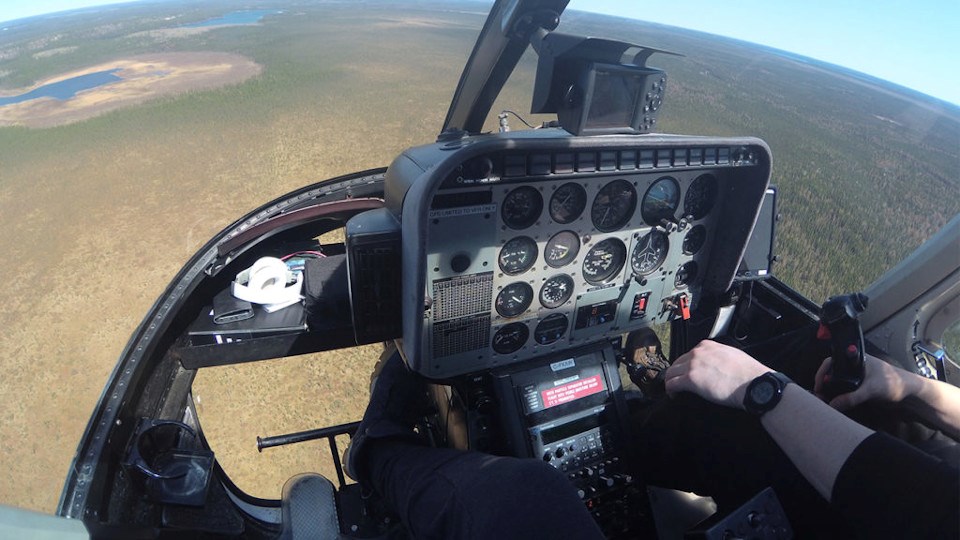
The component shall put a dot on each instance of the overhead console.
(519, 245)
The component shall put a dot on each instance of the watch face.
(762, 393)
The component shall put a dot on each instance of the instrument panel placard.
(572, 391)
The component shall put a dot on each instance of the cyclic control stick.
(840, 324)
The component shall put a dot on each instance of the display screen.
(571, 391)
(758, 256)
(614, 99)
(552, 435)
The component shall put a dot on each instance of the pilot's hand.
(715, 372)
(881, 382)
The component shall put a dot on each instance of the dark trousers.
(452, 494)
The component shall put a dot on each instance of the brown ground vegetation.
(144, 78)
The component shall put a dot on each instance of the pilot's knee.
(540, 477)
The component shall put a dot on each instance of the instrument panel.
(566, 261)
(531, 253)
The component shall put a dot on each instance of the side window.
(951, 341)
(240, 402)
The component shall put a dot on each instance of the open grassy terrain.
(99, 215)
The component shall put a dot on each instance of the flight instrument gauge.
(518, 255)
(561, 249)
(604, 261)
(550, 329)
(568, 202)
(510, 338)
(514, 299)
(613, 206)
(556, 291)
(649, 253)
(700, 196)
(686, 274)
(660, 201)
(694, 240)
(522, 207)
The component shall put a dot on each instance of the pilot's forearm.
(936, 402)
(816, 438)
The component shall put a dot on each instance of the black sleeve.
(889, 489)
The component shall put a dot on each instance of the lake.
(66, 88)
(252, 16)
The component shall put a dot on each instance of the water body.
(66, 88)
(252, 16)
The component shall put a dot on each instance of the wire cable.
(520, 118)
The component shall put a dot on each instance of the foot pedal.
(309, 508)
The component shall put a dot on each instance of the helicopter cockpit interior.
(508, 266)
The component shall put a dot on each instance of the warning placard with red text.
(571, 391)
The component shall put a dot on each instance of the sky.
(913, 43)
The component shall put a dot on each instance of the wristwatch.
(765, 392)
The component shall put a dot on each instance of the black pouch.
(228, 308)
(328, 292)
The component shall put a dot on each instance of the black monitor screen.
(614, 98)
(758, 256)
